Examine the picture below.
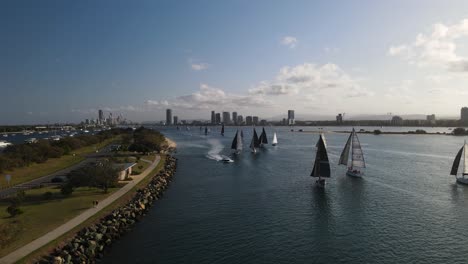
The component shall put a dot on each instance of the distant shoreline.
(382, 133)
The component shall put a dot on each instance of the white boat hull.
(354, 174)
(462, 181)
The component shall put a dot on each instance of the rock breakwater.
(89, 244)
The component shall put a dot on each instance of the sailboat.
(456, 164)
(242, 135)
(275, 140)
(255, 143)
(321, 168)
(263, 138)
(222, 130)
(206, 131)
(357, 156)
(237, 143)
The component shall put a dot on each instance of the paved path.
(54, 234)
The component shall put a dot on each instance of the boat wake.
(215, 151)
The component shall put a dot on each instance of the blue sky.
(62, 60)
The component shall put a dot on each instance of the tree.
(106, 175)
(459, 131)
(377, 132)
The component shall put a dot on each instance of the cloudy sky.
(63, 60)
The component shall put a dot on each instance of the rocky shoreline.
(90, 243)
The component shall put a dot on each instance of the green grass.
(94, 219)
(37, 170)
(41, 216)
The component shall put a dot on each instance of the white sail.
(357, 154)
(465, 158)
(275, 140)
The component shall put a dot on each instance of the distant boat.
(226, 159)
(357, 156)
(456, 164)
(4, 144)
(178, 128)
(255, 143)
(242, 135)
(31, 140)
(222, 130)
(263, 138)
(321, 164)
(206, 131)
(275, 140)
(187, 128)
(237, 143)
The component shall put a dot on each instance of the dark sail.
(222, 130)
(263, 137)
(345, 154)
(255, 140)
(242, 134)
(321, 164)
(234, 142)
(206, 131)
(456, 163)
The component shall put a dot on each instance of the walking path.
(54, 234)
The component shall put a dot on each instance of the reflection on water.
(265, 208)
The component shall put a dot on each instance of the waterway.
(265, 208)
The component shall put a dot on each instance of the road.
(46, 179)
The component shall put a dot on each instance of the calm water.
(264, 208)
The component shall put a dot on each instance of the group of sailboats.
(321, 169)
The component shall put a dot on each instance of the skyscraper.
(213, 117)
(248, 120)
(291, 120)
(176, 120)
(255, 120)
(101, 116)
(339, 119)
(226, 118)
(234, 118)
(240, 120)
(168, 117)
(464, 116)
(218, 118)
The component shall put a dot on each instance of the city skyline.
(64, 61)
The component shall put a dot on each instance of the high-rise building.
(291, 120)
(397, 121)
(218, 118)
(255, 120)
(248, 120)
(168, 117)
(339, 119)
(213, 117)
(464, 116)
(226, 118)
(240, 120)
(176, 120)
(263, 122)
(431, 119)
(100, 116)
(234, 118)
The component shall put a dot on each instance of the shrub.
(56, 180)
(420, 131)
(66, 190)
(47, 195)
(13, 210)
(459, 131)
(377, 132)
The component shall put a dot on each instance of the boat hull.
(354, 174)
(462, 181)
(320, 183)
(273, 144)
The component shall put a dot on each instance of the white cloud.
(311, 79)
(289, 41)
(199, 66)
(437, 48)
(208, 97)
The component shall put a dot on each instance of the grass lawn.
(94, 219)
(38, 170)
(41, 216)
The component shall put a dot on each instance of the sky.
(61, 61)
